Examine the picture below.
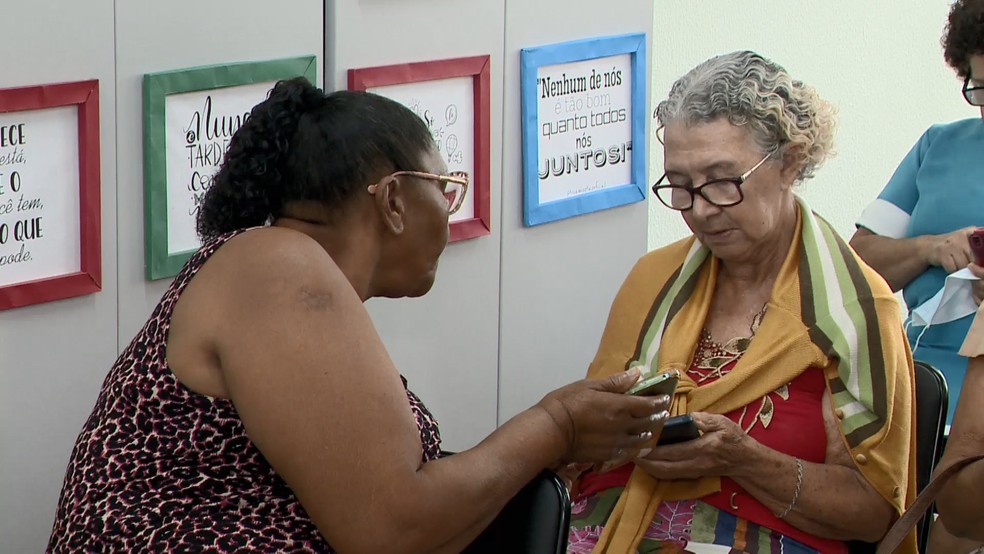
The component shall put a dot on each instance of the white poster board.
(447, 106)
(584, 114)
(39, 194)
(198, 128)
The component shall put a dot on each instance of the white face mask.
(954, 301)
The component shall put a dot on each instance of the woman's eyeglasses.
(454, 185)
(719, 192)
(973, 95)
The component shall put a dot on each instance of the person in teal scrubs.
(916, 232)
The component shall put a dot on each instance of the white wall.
(558, 279)
(880, 62)
(446, 343)
(54, 356)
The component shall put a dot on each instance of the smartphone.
(977, 245)
(662, 383)
(679, 428)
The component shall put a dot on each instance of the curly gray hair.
(782, 114)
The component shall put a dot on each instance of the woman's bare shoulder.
(273, 257)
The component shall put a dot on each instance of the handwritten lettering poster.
(198, 128)
(190, 116)
(39, 194)
(447, 106)
(585, 126)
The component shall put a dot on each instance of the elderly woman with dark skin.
(258, 410)
(791, 349)
(915, 232)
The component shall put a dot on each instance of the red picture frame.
(476, 67)
(88, 279)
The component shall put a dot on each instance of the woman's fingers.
(638, 406)
(604, 421)
(652, 424)
(977, 290)
(708, 422)
(620, 382)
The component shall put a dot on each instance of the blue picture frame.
(610, 196)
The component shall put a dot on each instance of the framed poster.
(190, 116)
(49, 193)
(452, 97)
(584, 126)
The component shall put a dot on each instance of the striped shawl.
(827, 310)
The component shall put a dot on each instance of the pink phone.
(977, 245)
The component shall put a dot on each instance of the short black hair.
(301, 144)
(963, 36)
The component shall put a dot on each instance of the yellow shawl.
(827, 309)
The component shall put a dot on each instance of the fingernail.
(655, 418)
(644, 452)
(660, 400)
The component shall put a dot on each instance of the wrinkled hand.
(721, 450)
(600, 421)
(952, 250)
(977, 287)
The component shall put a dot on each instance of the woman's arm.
(320, 398)
(899, 261)
(835, 501)
(961, 502)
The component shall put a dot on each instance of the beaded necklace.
(714, 360)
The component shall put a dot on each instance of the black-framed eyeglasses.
(973, 95)
(719, 192)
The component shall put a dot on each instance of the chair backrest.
(931, 406)
(536, 521)
(932, 401)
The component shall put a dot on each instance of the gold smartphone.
(662, 383)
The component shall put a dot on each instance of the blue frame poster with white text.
(584, 126)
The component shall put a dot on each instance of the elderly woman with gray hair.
(791, 351)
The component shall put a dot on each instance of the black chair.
(932, 402)
(536, 521)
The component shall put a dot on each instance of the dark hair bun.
(302, 145)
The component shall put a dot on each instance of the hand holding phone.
(662, 383)
(677, 429)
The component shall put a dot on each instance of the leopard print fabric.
(160, 468)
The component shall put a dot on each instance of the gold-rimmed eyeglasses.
(454, 185)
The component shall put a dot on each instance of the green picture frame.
(163, 259)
